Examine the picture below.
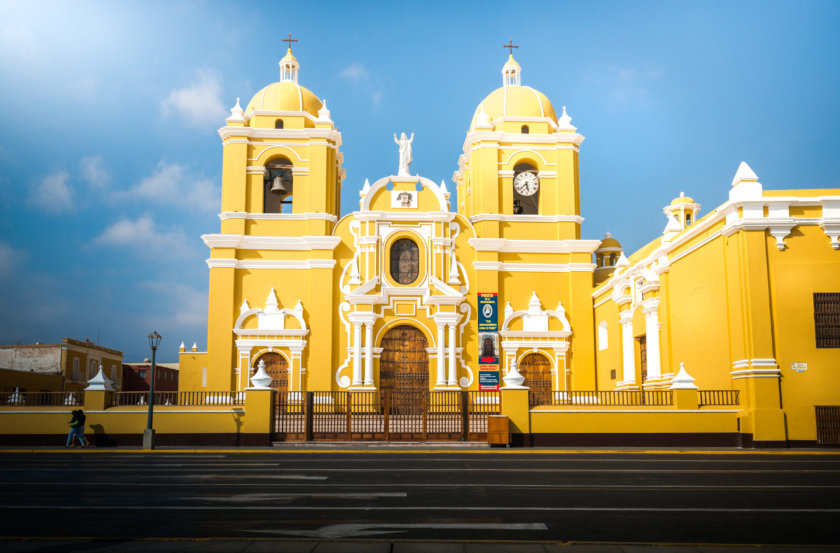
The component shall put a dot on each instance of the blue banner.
(488, 316)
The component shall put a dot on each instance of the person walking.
(77, 429)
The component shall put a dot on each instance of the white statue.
(405, 153)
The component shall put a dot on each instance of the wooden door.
(643, 357)
(404, 363)
(278, 369)
(536, 369)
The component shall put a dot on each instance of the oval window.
(405, 261)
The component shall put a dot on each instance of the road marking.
(253, 497)
(263, 477)
(446, 470)
(435, 508)
(358, 530)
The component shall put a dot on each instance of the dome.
(285, 96)
(609, 242)
(514, 102)
(683, 199)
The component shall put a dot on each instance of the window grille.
(827, 319)
(405, 261)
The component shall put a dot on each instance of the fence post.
(308, 408)
(387, 405)
(465, 416)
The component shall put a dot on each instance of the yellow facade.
(294, 285)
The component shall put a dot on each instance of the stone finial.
(622, 261)
(324, 113)
(365, 188)
(682, 380)
(745, 185)
(482, 121)
(100, 382)
(182, 347)
(443, 188)
(244, 307)
(514, 379)
(261, 379)
(236, 114)
(195, 346)
(564, 123)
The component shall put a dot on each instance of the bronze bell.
(278, 185)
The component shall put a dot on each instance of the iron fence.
(718, 397)
(179, 398)
(605, 398)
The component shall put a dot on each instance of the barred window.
(405, 261)
(827, 319)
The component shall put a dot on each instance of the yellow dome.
(609, 242)
(285, 96)
(682, 200)
(514, 102)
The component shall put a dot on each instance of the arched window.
(612, 260)
(405, 261)
(687, 219)
(278, 183)
(526, 190)
(278, 124)
(603, 341)
(525, 129)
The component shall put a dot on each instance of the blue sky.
(110, 162)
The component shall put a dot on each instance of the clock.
(527, 184)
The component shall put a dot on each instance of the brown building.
(136, 377)
(57, 367)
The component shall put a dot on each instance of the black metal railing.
(718, 397)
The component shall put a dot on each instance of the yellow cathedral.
(410, 292)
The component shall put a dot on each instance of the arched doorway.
(536, 369)
(404, 363)
(278, 369)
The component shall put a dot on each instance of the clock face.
(526, 184)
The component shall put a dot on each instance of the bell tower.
(518, 175)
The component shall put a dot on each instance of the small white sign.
(403, 199)
(799, 367)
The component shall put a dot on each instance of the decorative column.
(369, 354)
(651, 310)
(628, 377)
(441, 376)
(357, 354)
(453, 380)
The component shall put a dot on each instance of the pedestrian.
(77, 429)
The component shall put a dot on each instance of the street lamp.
(149, 433)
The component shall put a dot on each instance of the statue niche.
(278, 183)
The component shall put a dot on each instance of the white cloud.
(172, 183)
(54, 194)
(10, 259)
(145, 237)
(199, 103)
(355, 72)
(189, 306)
(17, 40)
(94, 172)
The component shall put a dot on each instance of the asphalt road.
(441, 495)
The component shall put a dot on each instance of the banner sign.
(489, 380)
(488, 318)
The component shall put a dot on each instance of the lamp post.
(149, 433)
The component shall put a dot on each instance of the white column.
(651, 311)
(357, 354)
(441, 377)
(628, 355)
(453, 377)
(368, 354)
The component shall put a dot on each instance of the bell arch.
(278, 184)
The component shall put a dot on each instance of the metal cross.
(510, 45)
(290, 40)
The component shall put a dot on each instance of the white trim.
(640, 411)
(533, 246)
(278, 216)
(272, 263)
(527, 218)
(247, 242)
(534, 267)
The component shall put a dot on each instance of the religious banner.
(488, 329)
(488, 378)
(488, 318)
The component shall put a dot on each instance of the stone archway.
(278, 369)
(404, 362)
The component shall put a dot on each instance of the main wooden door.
(536, 369)
(404, 363)
(278, 369)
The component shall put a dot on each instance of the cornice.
(249, 242)
(526, 218)
(533, 246)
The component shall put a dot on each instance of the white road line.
(237, 483)
(430, 508)
(253, 497)
(147, 469)
(358, 530)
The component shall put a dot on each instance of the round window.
(405, 261)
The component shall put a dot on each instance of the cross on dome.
(511, 72)
(289, 65)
